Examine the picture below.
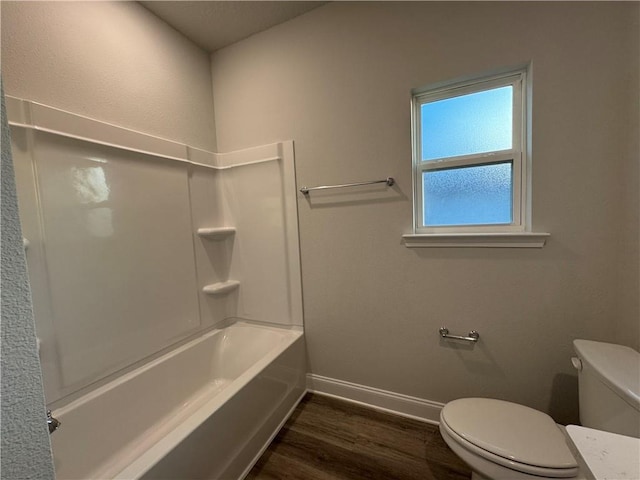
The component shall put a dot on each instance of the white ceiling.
(216, 24)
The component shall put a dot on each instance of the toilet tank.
(609, 387)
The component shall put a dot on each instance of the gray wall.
(112, 61)
(337, 80)
(627, 324)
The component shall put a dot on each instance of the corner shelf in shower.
(216, 233)
(221, 287)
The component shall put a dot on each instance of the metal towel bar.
(389, 181)
(473, 335)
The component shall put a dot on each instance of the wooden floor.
(327, 439)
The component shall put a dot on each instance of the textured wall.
(25, 452)
(112, 61)
(337, 81)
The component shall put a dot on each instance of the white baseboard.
(404, 405)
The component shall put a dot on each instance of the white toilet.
(505, 441)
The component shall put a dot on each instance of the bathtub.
(205, 410)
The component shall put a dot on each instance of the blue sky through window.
(469, 124)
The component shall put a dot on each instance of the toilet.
(502, 440)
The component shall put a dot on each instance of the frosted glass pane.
(468, 196)
(469, 124)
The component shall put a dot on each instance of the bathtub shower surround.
(137, 247)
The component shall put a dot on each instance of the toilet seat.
(510, 435)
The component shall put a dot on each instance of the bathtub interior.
(246, 343)
(136, 420)
(229, 442)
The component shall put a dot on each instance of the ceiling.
(216, 24)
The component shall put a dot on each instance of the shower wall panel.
(119, 256)
(260, 200)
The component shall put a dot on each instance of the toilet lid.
(515, 432)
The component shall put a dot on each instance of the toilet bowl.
(505, 441)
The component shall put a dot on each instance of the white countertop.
(607, 456)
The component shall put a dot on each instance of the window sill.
(476, 240)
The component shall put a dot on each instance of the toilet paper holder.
(472, 337)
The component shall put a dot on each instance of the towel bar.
(389, 181)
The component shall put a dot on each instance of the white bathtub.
(204, 410)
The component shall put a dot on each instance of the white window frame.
(517, 155)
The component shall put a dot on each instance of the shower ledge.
(216, 233)
(221, 287)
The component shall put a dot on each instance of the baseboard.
(404, 405)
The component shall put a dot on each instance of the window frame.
(517, 155)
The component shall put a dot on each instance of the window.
(469, 156)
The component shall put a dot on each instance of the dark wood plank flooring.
(329, 439)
